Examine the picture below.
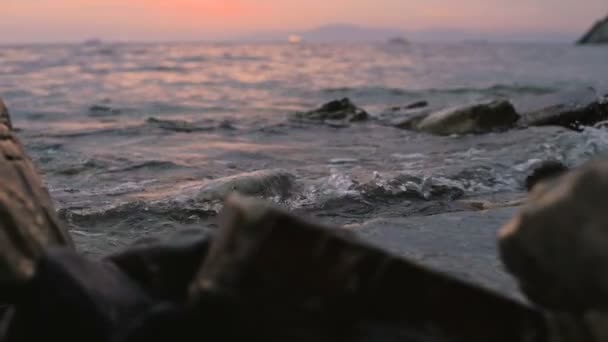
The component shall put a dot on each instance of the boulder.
(266, 183)
(557, 245)
(483, 117)
(28, 223)
(598, 34)
(165, 268)
(338, 111)
(405, 118)
(572, 109)
(71, 298)
(283, 278)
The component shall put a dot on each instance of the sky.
(160, 20)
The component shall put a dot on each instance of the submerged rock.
(288, 279)
(405, 118)
(343, 111)
(266, 183)
(547, 170)
(178, 125)
(28, 223)
(598, 34)
(570, 109)
(482, 117)
(557, 246)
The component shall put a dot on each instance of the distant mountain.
(349, 33)
(355, 33)
(332, 33)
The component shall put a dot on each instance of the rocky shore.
(598, 34)
(265, 273)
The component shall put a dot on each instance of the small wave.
(183, 126)
(494, 90)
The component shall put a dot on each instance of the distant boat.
(294, 39)
(399, 41)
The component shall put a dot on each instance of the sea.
(131, 138)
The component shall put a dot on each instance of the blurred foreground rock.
(557, 246)
(28, 223)
(293, 280)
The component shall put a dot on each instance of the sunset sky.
(65, 20)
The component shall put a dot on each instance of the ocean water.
(132, 138)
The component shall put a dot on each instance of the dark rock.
(165, 268)
(179, 125)
(28, 223)
(557, 246)
(287, 279)
(546, 170)
(102, 110)
(419, 104)
(405, 119)
(413, 105)
(598, 34)
(482, 117)
(570, 109)
(73, 299)
(339, 110)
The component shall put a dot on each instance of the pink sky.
(52, 20)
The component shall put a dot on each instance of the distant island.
(598, 34)
(355, 33)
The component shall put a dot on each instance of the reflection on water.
(115, 126)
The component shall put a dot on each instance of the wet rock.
(28, 223)
(73, 299)
(557, 246)
(343, 111)
(178, 125)
(598, 34)
(102, 110)
(266, 183)
(165, 268)
(288, 279)
(546, 170)
(482, 117)
(571, 109)
(406, 119)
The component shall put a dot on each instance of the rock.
(405, 119)
(164, 269)
(28, 223)
(571, 109)
(288, 279)
(5, 118)
(598, 34)
(178, 125)
(267, 183)
(482, 117)
(547, 170)
(73, 299)
(557, 245)
(101, 110)
(339, 110)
